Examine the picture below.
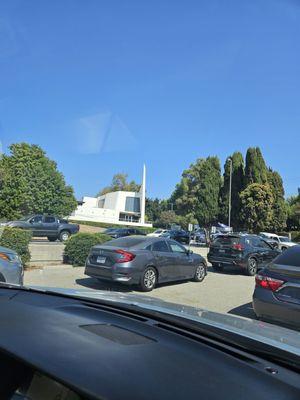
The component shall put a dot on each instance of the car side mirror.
(31, 221)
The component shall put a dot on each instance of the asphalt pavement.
(229, 291)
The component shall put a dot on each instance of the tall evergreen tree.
(238, 176)
(279, 205)
(256, 207)
(256, 170)
(198, 192)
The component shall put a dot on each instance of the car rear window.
(226, 240)
(289, 257)
(125, 242)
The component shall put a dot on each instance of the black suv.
(249, 252)
(179, 235)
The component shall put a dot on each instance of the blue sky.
(104, 86)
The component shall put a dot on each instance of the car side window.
(160, 246)
(265, 245)
(49, 220)
(37, 218)
(131, 231)
(177, 248)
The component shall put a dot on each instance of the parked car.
(122, 232)
(179, 235)
(11, 268)
(199, 236)
(282, 242)
(144, 261)
(46, 225)
(157, 233)
(249, 252)
(276, 297)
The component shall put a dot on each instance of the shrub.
(78, 246)
(18, 240)
(296, 236)
(105, 225)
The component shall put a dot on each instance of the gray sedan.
(11, 268)
(144, 261)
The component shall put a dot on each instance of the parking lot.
(230, 291)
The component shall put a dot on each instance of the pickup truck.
(46, 225)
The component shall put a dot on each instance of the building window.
(101, 203)
(132, 204)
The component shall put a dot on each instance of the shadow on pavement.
(228, 270)
(245, 310)
(92, 283)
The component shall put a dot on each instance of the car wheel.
(64, 235)
(217, 267)
(251, 266)
(283, 248)
(148, 279)
(52, 239)
(200, 273)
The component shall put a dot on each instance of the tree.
(154, 208)
(238, 176)
(30, 183)
(119, 182)
(293, 213)
(279, 205)
(256, 207)
(256, 170)
(197, 194)
(167, 218)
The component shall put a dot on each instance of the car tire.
(217, 267)
(252, 266)
(200, 273)
(283, 248)
(52, 239)
(148, 279)
(64, 235)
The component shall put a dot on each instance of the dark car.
(122, 232)
(46, 225)
(179, 235)
(277, 292)
(249, 252)
(144, 261)
(199, 236)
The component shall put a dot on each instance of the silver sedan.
(144, 261)
(11, 268)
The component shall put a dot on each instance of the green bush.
(78, 246)
(296, 236)
(105, 225)
(18, 240)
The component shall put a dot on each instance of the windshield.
(146, 148)
(284, 239)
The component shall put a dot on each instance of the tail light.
(124, 256)
(267, 282)
(238, 246)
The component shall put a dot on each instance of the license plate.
(221, 251)
(101, 260)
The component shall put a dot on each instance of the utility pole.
(229, 200)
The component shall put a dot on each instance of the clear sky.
(104, 86)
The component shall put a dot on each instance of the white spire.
(143, 195)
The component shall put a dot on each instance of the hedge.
(105, 225)
(18, 240)
(78, 246)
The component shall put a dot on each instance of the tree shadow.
(245, 310)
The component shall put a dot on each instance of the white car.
(157, 233)
(283, 241)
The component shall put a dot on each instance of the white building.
(124, 208)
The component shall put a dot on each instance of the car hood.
(283, 338)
